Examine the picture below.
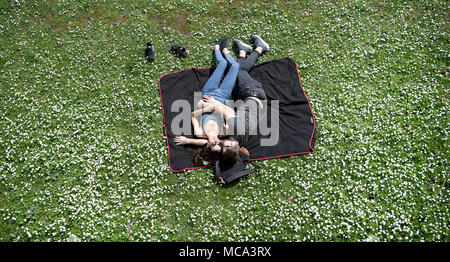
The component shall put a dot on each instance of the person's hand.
(210, 100)
(210, 108)
(201, 104)
(180, 140)
(213, 103)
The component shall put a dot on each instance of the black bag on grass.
(227, 172)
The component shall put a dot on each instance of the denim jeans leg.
(247, 85)
(245, 64)
(214, 80)
(229, 82)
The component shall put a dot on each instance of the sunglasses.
(216, 143)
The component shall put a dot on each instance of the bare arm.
(198, 130)
(201, 111)
(224, 110)
(181, 140)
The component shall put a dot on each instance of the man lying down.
(237, 127)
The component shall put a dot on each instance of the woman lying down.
(211, 126)
(213, 110)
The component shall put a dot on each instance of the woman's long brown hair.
(204, 153)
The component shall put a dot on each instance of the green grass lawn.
(82, 149)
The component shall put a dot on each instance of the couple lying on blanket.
(215, 119)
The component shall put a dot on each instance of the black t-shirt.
(245, 123)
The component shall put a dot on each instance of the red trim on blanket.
(254, 159)
(310, 108)
(164, 119)
(314, 122)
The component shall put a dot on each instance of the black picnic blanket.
(280, 80)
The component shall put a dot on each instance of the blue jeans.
(222, 93)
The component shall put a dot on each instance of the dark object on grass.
(150, 52)
(242, 46)
(222, 43)
(229, 171)
(258, 41)
(280, 81)
(179, 50)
